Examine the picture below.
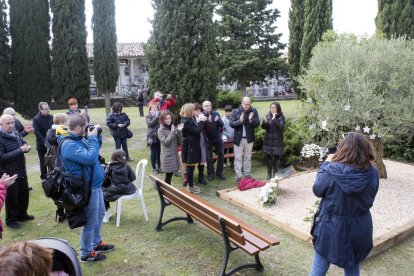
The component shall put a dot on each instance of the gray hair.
(76, 120)
(41, 104)
(9, 110)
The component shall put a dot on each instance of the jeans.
(91, 232)
(219, 149)
(155, 155)
(122, 142)
(243, 151)
(17, 199)
(320, 267)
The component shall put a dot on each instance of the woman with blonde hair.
(342, 227)
(191, 150)
(152, 136)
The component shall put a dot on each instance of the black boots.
(269, 167)
(275, 167)
(201, 178)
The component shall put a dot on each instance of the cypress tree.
(249, 49)
(182, 51)
(395, 18)
(318, 19)
(105, 58)
(30, 54)
(296, 21)
(69, 59)
(5, 81)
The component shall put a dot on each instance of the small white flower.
(347, 107)
(357, 128)
(366, 129)
(324, 124)
(372, 136)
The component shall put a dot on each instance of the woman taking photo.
(152, 137)
(342, 228)
(170, 138)
(191, 150)
(273, 145)
(118, 123)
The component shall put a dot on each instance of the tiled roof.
(125, 50)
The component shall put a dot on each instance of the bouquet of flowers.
(312, 154)
(268, 193)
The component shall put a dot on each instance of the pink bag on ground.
(248, 183)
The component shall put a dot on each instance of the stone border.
(381, 243)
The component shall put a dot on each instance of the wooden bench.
(235, 233)
(228, 145)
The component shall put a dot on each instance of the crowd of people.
(346, 182)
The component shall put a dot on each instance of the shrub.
(352, 84)
(232, 98)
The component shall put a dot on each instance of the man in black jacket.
(244, 120)
(42, 122)
(213, 129)
(13, 161)
(22, 130)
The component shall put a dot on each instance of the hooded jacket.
(343, 225)
(121, 177)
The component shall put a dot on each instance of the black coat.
(213, 129)
(120, 177)
(249, 126)
(19, 127)
(41, 125)
(191, 149)
(273, 140)
(112, 122)
(12, 159)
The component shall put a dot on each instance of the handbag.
(129, 134)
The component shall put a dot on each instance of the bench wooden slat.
(244, 226)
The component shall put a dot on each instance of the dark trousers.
(219, 150)
(122, 142)
(17, 199)
(190, 175)
(43, 168)
(141, 110)
(168, 177)
(155, 155)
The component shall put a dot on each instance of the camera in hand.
(91, 127)
(332, 149)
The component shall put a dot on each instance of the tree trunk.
(243, 88)
(108, 102)
(377, 147)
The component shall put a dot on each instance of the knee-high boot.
(269, 167)
(275, 166)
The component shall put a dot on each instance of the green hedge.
(232, 98)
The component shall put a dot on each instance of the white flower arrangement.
(268, 193)
(313, 150)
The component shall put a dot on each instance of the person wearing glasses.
(347, 184)
(42, 122)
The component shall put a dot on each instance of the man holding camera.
(165, 101)
(80, 155)
(213, 131)
(13, 161)
(42, 122)
(244, 120)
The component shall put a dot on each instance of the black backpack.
(68, 191)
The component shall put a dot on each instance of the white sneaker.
(108, 214)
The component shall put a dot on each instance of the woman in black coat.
(191, 150)
(118, 123)
(273, 145)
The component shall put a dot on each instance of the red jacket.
(166, 104)
(3, 192)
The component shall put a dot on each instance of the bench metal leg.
(228, 248)
(164, 204)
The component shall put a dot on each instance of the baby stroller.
(64, 256)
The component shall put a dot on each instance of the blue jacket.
(343, 227)
(82, 152)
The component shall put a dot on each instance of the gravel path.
(393, 206)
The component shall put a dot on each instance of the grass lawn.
(181, 249)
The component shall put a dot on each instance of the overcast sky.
(132, 18)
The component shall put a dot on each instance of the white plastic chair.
(139, 183)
